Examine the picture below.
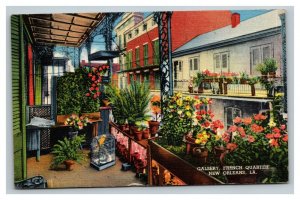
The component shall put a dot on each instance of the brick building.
(139, 60)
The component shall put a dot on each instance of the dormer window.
(136, 31)
(129, 35)
(144, 27)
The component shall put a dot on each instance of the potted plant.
(140, 130)
(271, 66)
(68, 151)
(155, 107)
(252, 81)
(198, 81)
(244, 77)
(261, 67)
(76, 123)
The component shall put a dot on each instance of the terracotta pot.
(138, 135)
(69, 164)
(153, 127)
(272, 74)
(94, 115)
(190, 89)
(242, 179)
(146, 134)
(200, 154)
(200, 88)
(123, 127)
(190, 144)
(132, 129)
(243, 81)
(220, 153)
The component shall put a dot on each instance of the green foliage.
(271, 65)
(67, 150)
(253, 80)
(178, 118)
(71, 98)
(130, 104)
(261, 67)
(199, 79)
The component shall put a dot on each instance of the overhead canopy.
(62, 29)
(104, 55)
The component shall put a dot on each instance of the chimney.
(235, 19)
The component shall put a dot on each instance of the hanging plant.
(94, 75)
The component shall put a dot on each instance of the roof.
(264, 22)
(63, 29)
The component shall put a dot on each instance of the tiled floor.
(82, 176)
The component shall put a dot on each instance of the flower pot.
(69, 164)
(132, 129)
(272, 74)
(94, 115)
(220, 153)
(146, 134)
(138, 135)
(200, 88)
(200, 154)
(153, 127)
(190, 89)
(243, 81)
(122, 127)
(190, 144)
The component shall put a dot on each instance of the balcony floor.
(82, 176)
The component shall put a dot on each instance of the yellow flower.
(272, 123)
(179, 102)
(197, 101)
(179, 94)
(179, 112)
(187, 98)
(218, 137)
(197, 141)
(188, 114)
(188, 107)
(102, 139)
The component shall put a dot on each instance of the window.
(138, 77)
(145, 54)
(177, 72)
(260, 53)
(194, 64)
(153, 22)
(136, 32)
(129, 35)
(156, 52)
(221, 62)
(129, 60)
(157, 80)
(230, 114)
(146, 78)
(137, 56)
(144, 27)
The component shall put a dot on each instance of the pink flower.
(269, 136)
(282, 127)
(87, 94)
(276, 130)
(256, 128)
(251, 138)
(259, 117)
(285, 137)
(247, 120)
(237, 120)
(277, 135)
(231, 146)
(273, 143)
(241, 131)
(232, 128)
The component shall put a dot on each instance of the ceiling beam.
(82, 17)
(58, 29)
(55, 35)
(59, 44)
(54, 40)
(61, 22)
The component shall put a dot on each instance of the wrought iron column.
(163, 19)
(108, 28)
(283, 60)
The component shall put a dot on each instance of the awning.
(62, 29)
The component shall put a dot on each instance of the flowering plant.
(257, 140)
(76, 122)
(94, 75)
(155, 106)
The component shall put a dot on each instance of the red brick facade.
(185, 26)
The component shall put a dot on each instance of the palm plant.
(67, 150)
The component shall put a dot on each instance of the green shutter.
(18, 91)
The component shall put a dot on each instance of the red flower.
(277, 135)
(87, 94)
(237, 120)
(90, 75)
(92, 88)
(93, 85)
(98, 93)
(282, 127)
(94, 78)
(273, 143)
(198, 106)
(232, 129)
(199, 117)
(285, 137)
(217, 124)
(226, 137)
(269, 136)
(196, 97)
(206, 124)
(259, 117)
(247, 120)
(276, 130)
(251, 139)
(241, 131)
(209, 112)
(202, 112)
(96, 88)
(231, 146)
(210, 101)
(95, 96)
(256, 128)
